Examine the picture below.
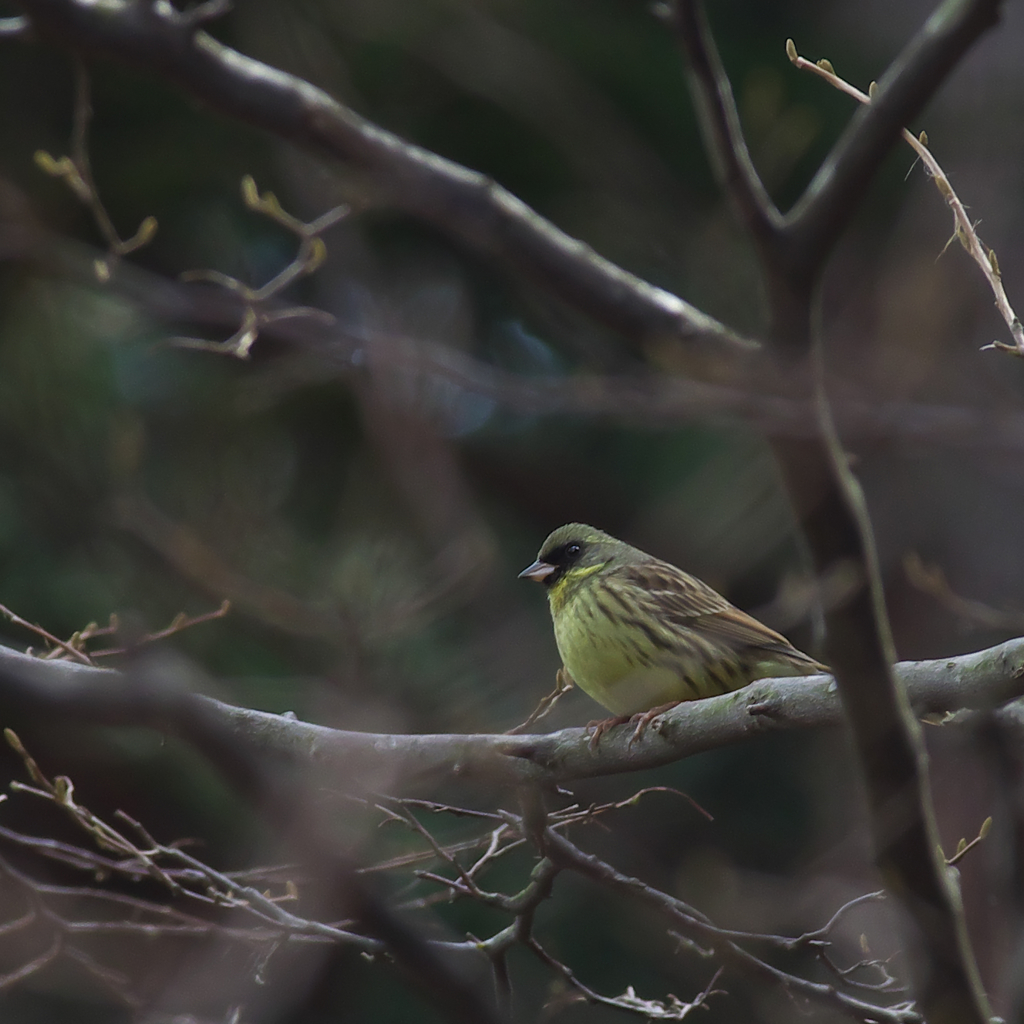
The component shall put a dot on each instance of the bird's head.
(572, 551)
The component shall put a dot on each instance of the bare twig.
(76, 171)
(563, 684)
(178, 624)
(66, 647)
(681, 917)
(963, 229)
(647, 1009)
(964, 847)
(310, 255)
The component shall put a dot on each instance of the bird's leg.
(644, 719)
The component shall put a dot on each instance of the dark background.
(404, 506)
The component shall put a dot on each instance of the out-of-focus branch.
(159, 697)
(464, 204)
(11, 27)
(199, 562)
(655, 400)
(76, 171)
(256, 315)
(930, 579)
(716, 108)
(329, 620)
(318, 351)
(370, 761)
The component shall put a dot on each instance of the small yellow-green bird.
(639, 635)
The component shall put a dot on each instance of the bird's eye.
(572, 550)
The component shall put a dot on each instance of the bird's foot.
(644, 719)
(601, 726)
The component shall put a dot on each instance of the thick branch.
(979, 681)
(464, 204)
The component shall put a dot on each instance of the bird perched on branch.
(640, 636)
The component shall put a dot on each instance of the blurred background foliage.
(369, 526)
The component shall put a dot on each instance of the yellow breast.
(612, 661)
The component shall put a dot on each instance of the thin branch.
(179, 623)
(199, 562)
(68, 648)
(646, 1009)
(964, 847)
(817, 221)
(76, 171)
(310, 255)
(569, 856)
(33, 966)
(963, 229)
(931, 580)
(720, 121)
(563, 685)
(887, 739)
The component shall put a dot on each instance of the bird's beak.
(538, 572)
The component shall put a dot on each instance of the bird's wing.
(684, 603)
(669, 594)
(740, 630)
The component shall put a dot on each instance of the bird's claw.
(642, 719)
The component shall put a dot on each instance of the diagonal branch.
(793, 249)
(816, 222)
(464, 204)
(720, 122)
